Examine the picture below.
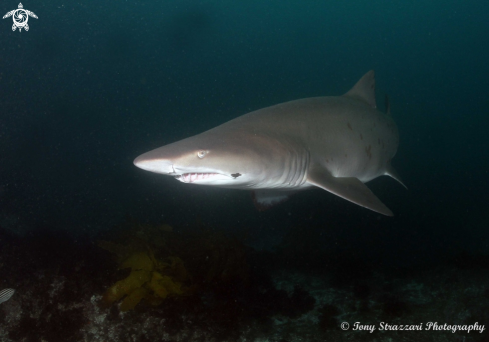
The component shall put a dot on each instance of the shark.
(336, 143)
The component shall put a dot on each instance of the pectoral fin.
(349, 188)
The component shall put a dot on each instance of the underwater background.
(94, 84)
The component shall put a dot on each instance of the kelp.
(150, 279)
(165, 264)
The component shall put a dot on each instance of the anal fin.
(349, 188)
(389, 171)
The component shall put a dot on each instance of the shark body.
(336, 143)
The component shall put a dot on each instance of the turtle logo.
(20, 17)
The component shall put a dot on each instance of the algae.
(165, 264)
(149, 279)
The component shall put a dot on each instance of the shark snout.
(163, 166)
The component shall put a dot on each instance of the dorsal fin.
(387, 105)
(364, 90)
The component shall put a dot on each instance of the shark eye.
(201, 154)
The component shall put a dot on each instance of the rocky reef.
(152, 283)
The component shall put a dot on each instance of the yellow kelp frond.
(125, 287)
(163, 285)
(134, 298)
(164, 263)
(139, 261)
(149, 279)
(175, 267)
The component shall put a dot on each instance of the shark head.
(225, 160)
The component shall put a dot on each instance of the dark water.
(93, 84)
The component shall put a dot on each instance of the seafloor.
(225, 291)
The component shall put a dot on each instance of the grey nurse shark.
(336, 143)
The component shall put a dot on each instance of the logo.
(20, 17)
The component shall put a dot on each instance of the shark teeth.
(192, 177)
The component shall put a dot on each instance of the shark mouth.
(211, 176)
(192, 177)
